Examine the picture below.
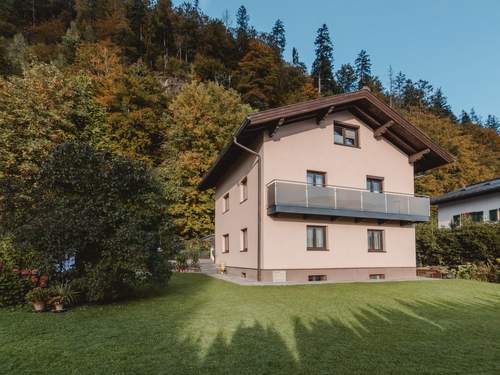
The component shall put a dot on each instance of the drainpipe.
(259, 209)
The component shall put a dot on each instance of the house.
(321, 190)
(480, 202)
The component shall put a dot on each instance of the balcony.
(288, 197)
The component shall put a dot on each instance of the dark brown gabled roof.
(363, 104)
(474, 190)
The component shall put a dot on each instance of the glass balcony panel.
(348, 199)
(419, 206)
(319, 196)
(397, 204)
(373, 202)
(290, 194)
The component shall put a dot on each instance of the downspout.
(259, 208)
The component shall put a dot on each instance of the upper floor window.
(345, 135)
(494, 214)
(316, 237)
(316, 178)
(225, 203)
(375, 240)
(374, 184)
(243, 190)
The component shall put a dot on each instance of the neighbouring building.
(321, 190)
(478, 202)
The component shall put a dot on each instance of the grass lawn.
(206, 326)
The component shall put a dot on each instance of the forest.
(145, 94)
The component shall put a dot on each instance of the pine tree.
(439, 104)
(464, 118)
(399, 84)
(242, 30)
(363, 69)
(296, 60)
(492, 122)
(474, 117)
(346, 78)
(278, 38)
(322, 68)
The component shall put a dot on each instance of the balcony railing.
(336, 201)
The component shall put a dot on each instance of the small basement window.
(377, 276)
(317, 278)
(243, 275)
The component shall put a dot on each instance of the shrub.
(97, 219)
(13, 287)
(470, 243)
(181, 262)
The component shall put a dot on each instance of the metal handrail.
(345, 187)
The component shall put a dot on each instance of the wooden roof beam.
(323, 114)
(417, 156)
(382, 129)
(275, 127)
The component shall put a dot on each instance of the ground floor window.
(375, 240)
(494, 214)
(316, 237)
(317, 278)
(225, 243)
(475, 217)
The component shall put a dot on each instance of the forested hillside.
(167, 85)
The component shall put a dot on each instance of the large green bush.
(100, 215)
(470, 243)
(13, 287)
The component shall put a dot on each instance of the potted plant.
(38, 297)
(61, 295)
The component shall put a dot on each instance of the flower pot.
(58, 307)
(39, 306)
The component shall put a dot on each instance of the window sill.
(317, 249)
(243, 201)
(377, 251)
(223, 212)
(225, 252)
(244, 251)
(341, 144)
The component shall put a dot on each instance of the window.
(243, 275)
(316, 237)
(375, 240)
(377, 276)
(374, 184)
(317, 278)
(494, 214)
(225, 243)
(243, 190)
(456, 220)
(316, 178)
(244, 240)
(475, 217)
(225, 203)
(345, 135)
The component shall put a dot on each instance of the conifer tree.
(346, 78)
(296, 60)
(492, 122)
(464, 117)
(278, 38)
(439, 104)
(322, 68)
(363, 69)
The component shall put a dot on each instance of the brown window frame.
(377, 178)
(324, 248)
(382, 240)
(225, 243)
(344, 126)
(244, 240)
(309, 171)
(225, 203)
(244, 189)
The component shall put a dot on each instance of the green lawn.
(206, 326)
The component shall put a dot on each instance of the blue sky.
(454, 44)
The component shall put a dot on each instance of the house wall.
(483, 203)
(306, 146)
(240, 215)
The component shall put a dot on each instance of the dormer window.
(345, 135)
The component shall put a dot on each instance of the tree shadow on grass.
(417, 337)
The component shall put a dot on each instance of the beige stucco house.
(321, 190)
